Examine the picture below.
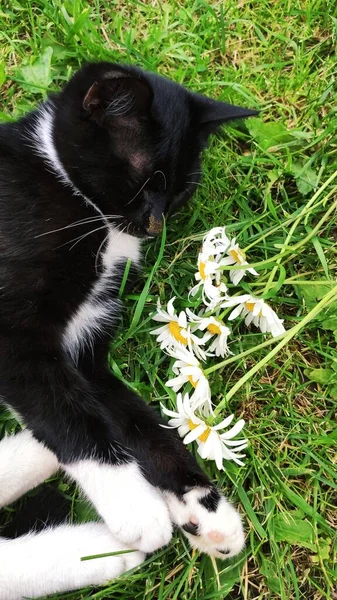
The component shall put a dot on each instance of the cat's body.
(82, 181)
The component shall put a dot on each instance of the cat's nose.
(155, 225)
(155, 214)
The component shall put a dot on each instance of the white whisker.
(98, 251)
(196, 183)
(163, 174)
(86, 221)
(143, 186)
(81, 237)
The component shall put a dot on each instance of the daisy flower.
(236, 256)
(188, 370)
(213, 327)
(175, 328)
(216, 240)
(209, 280)
(257, 311)
(175, 331)
(212, 444)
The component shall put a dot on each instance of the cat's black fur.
(130, 142)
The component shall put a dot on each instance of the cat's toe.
(209, 521)
(145, 525)
(133, 560)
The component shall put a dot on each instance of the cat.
(83, 179)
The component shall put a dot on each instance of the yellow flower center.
(175, 330)
(191, 380)
(213, 328)
(203, 437)
(250, 306)
(202, 270)
(238, 255)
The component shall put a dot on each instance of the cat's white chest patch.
(100, 309)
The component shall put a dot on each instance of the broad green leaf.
(324, 550)
(306, 178)
(291, 527)
(60, 52)
(268, 569)
(38, 76)
(322, 376)
(228, 578)
(330, 324)
(5, 117)
(268, 135)
(333, 392)
(315, 292)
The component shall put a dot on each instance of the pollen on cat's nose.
(155, 225)
(216, 537)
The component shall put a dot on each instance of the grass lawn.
(273, 182)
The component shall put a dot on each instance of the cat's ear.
(213, 113)
(118, 95)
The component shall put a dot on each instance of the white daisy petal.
(256, 311)
(225, 423)
(233, 431)
(236, 256)
(237, 444)
(218, 455)
(235, 313)
(195, 433)
(183, 430)
(212, 444)
(166, 411)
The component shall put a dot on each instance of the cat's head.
(131, 141)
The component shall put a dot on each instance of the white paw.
(209, 521)
(132, 560)
(134, 510)
(141, 520)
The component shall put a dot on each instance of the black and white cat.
(83, 180)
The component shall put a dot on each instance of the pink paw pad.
(216, 536)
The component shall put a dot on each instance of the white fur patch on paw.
(216, 532)
(134, 510)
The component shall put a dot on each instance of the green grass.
(279, 56)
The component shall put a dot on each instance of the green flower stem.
(328, 298)
(315, 229)
(304, 212)
(294, 281)
(236, 357)
(289, 237)
(286, 249)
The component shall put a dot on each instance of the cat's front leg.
(205, 516)
(135, 510)
(48, 562)
(66, 413)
